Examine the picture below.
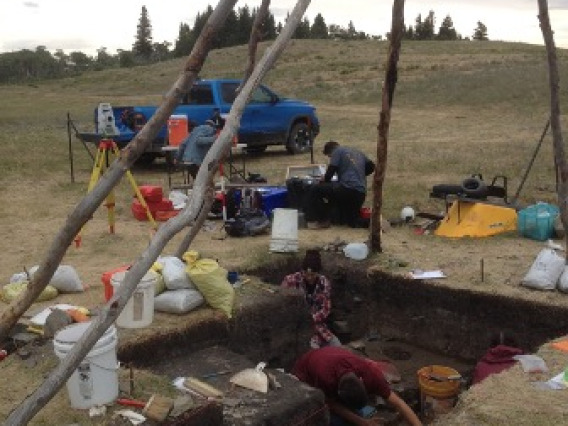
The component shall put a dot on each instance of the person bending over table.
(347, 194)
(195, 146)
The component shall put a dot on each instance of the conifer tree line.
(31, 65)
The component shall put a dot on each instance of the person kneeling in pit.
(316, 289)
(347, 380)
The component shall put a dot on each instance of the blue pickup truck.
(268, 119)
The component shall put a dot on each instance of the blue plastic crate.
(273, 197)
(537, 221)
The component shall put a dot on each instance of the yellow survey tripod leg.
(102, 162)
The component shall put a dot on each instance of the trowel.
(252, 378)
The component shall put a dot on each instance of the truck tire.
(300, 139)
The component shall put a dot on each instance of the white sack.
(545, 271)
(563, 281)
(65, 279)
(175, 276)
(178, 301)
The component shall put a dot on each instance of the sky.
(86, 26)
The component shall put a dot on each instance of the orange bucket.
(177, 129)
(439, 389)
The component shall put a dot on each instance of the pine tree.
(480, 32)
(447, 30)
(184, 42)
(303, 29)
(319, 28)
(142, 47)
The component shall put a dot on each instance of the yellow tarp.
(476, 219)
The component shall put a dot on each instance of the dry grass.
(459, 108)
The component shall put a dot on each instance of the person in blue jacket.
(195, 146)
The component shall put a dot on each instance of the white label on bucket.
(138, 306)
(85, 380)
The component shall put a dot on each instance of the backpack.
(248, 221)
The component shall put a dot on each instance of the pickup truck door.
(262, 122)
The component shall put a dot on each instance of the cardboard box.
(310, 170)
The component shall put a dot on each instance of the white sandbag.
(65, 279)
(178, 301)
(174, 273)
(562, 284)
(545, 271)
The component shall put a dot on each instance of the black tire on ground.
(300, 139)
(474, 187)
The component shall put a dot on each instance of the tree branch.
(389, 84)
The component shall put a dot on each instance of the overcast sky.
(89, 25)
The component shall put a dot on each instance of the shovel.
(252, 378)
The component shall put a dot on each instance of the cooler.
(272, 197)
(177, 129)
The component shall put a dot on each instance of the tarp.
(476, 219)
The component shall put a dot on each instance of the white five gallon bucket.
(95, 381)
(139, 310)
(284, 231)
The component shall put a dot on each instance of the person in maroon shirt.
(347, 380)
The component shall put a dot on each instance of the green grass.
(459, 108)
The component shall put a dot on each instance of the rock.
(55, 322)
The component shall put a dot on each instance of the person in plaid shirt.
(317, 292)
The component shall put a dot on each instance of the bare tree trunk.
(255, 36)
(88, 205)
(559, 155)
(31, 406)
(389, 85)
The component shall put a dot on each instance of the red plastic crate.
(152, 193)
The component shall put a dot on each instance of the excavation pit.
(414, 323)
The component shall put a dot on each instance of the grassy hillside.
(459, 108)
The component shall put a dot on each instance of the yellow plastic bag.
(211, 281)
(190, 256)
(11, 291)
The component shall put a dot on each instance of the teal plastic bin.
(537, 221)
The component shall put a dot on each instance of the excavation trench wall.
(275, 327)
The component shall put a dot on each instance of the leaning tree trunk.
(255, 36)
(389, 84)
(31, 406)
(559, 154)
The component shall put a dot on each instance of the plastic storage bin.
(272, 197)
(537, 221)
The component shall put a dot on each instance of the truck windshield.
(260, 95)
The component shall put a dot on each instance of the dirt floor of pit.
(243, 406)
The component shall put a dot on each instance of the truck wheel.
(300, 139)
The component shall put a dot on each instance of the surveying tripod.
(102, 161)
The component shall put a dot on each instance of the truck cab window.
(261, 95)
(199, 95)
(229, 92)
